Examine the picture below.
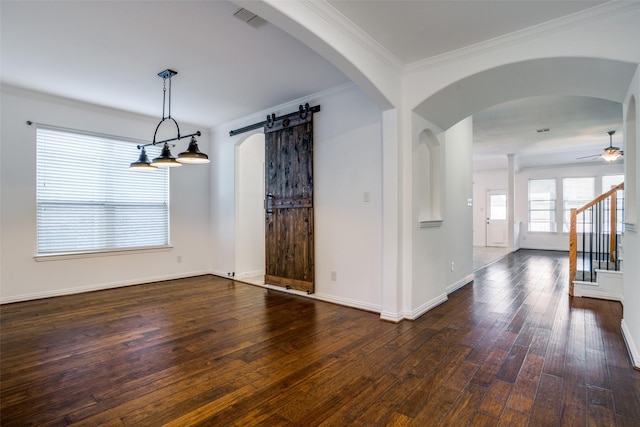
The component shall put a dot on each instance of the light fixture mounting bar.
(167, 74)
(177, 138)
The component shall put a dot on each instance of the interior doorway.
(496, 222)
(249, 210)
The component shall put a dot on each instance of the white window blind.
(542, 205)
(577, 192)
(89, 201)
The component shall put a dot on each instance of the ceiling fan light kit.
(611, 153)
(166, 160)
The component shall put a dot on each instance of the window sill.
(94, 254)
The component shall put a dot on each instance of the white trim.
(347, 302)
(317, 296)
(240, 276)
(391, 317)
(98, 287)
(92, 254)
(338, 21)
(426, 307)
(592, 290)
(589, 16)
(607, 286)
(460, 283)
(634, 354)
(277, 110)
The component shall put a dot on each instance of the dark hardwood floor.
(509, 349)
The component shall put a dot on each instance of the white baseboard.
(96, 287)
(323, 297)
(348, 302)
(460, 283)
(249, 274)
(634, 354)
(426, 307)
(391, 317)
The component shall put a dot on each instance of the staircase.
(595, 247)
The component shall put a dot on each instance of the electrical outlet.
(179, 259)
(452, 266)
(365, 197)
(334, 276)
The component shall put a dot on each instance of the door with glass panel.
(497, 218)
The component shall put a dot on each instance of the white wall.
(21, 277)
(436, 246)
(347, 164)
(426, 275)
(631, 242)
(559, 240)
(458, 224)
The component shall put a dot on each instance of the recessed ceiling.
(545, 130)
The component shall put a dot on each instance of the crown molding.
(280, 108)
(588, 16)
(325, 11)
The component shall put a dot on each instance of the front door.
(497, 218)
(289, 248)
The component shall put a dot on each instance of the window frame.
(109, 192)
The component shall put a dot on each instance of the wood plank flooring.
(510, 349)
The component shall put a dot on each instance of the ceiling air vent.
(249, 17)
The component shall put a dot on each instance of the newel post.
(573, 249)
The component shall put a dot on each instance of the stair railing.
(598, 221)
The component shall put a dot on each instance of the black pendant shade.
(193, 155)
(142, 163)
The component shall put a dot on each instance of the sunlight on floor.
(486, 255)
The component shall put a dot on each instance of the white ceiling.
(109, 52)
(415, 30)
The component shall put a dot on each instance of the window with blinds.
(89, 201)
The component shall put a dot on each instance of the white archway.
(249, 211)
(591, 77)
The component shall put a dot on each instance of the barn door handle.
(269, 203)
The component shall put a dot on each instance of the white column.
(391, 218)
(512, 227)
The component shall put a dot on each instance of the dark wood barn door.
(289, 204)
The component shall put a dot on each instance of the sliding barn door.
(289, 203)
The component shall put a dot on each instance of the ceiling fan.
(610, 153)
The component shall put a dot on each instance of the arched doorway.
(249, 209)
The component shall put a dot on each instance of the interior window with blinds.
(89, 201)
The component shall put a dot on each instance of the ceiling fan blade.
(588, 157)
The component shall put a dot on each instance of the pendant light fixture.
(166, 160)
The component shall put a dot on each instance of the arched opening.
(249, 209)
(563, 76)
(429, 178)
